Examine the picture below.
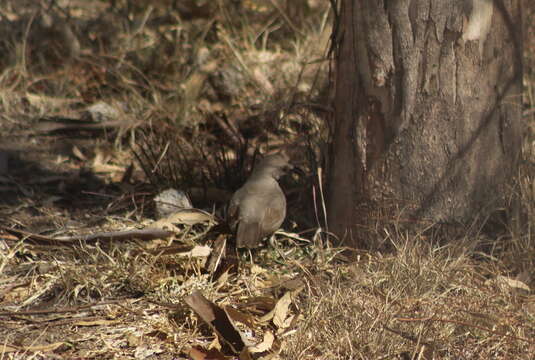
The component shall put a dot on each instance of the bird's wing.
(274, 215)
(233, 211)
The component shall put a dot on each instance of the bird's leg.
(271, 240)
(250, 256)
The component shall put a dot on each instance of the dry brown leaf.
(186, 217)
(223, 280)
(163, 224)
(197, 251)
(201, 354)
(220, 246)
(133, 340)
(4, 348)
(287, 323)
(280, 312)
(196, 354)
(40, 100)
(236, 315)
(264, 303)
(292, 284)
(101, 158)
(256, 270)
(511, 283)
(265, 345)
(267, 317)
(107, 168)
(78, 153)
(217, 319)
(215, 344)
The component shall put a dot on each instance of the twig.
(143, 234)
(60, 311)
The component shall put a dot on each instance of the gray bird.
(258, 208)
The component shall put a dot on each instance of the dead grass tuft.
(422, 301)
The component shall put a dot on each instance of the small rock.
(100, 112)
(170, 201)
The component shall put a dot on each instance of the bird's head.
(274, 165)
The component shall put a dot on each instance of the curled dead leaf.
(185, 217)
(279, 312)
(506, 282)
(264, 345)
(197, 251)
(218, 320)
(4, 348)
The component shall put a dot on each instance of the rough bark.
(427, 108)
(345, 168)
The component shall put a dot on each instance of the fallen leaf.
(223, 280)
(281, 310)
(217, 319)
(39, 100)
(196, 354)
(265, 345)
(512, 283)
(197, 251)
(107, 168)
(255, 270)
(78, 153)
(201, 354)
(218, 253)
(239, 316)
(133, 340)
(264, 303)
(4, 348)
(287, 322)
(186, 217)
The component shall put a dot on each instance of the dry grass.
(421, 300)
(186, 76)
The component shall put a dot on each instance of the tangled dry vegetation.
(196, 92)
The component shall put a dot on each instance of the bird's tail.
(248, 235)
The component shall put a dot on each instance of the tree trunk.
(427, 109)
